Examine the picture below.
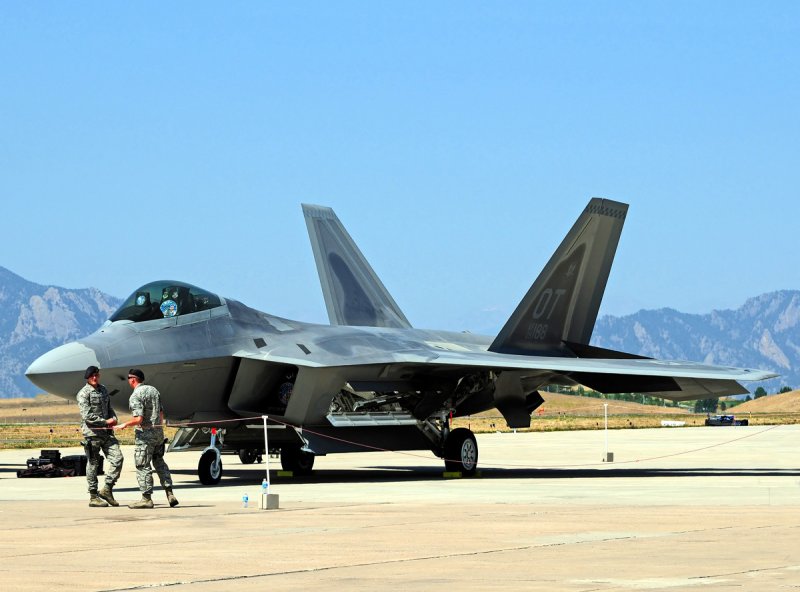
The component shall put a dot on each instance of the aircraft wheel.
(296, 460)
(248, 456)
(461, 452)
(209, 469)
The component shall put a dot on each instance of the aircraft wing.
(638, 367)
(676, 380)
(495, 361)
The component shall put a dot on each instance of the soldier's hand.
(111, 422)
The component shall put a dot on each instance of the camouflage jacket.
(95, 408)
(145, 402)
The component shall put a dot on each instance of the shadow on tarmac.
(237, 476)
(6, 468)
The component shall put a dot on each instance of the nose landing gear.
(209, 468)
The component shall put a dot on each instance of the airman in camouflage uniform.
(145, 406)
(98, 419)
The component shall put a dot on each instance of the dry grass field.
(782, 403)
(47, 420)
(567, 412)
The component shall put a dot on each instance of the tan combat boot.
(143, 504)
(173, 501)
(106, 495)
(96, 502)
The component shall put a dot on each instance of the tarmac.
(712, 508)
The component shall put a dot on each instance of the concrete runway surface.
(715, 508)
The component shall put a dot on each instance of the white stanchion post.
(269, 501)
(266, 447)
(607, 457)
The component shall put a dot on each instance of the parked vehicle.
(725, 420)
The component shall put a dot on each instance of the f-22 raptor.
(369, 380)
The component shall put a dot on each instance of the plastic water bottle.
(245, 499)
(264, 487)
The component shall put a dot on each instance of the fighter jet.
(369, 380)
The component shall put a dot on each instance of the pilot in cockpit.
(176, 300)
(165, 299)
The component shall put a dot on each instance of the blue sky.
(457, 142)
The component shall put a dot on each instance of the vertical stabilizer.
(562, 304)
(354, 295)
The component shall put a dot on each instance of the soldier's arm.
(87, 415)
(113, 420)
(137, 411)
(136, 420)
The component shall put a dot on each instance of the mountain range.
(36, 318)
(763, 333)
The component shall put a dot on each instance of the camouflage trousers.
(148, 454)
(110, 448)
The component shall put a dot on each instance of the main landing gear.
(297, 460)
(458, 448)
(249, 455)
(461, 452)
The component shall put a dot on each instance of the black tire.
(461, 452)
(744, 422)
(208, 469)
(296, 460)
(248, 456)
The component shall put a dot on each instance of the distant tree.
(723, 406)
(749, 398)
(785, 389)
(706, 405)
(760, 392)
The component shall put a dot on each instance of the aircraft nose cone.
(60, 371)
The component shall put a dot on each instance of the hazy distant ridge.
(36, 318)
(763, 333)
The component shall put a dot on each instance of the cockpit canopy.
(165, 299)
